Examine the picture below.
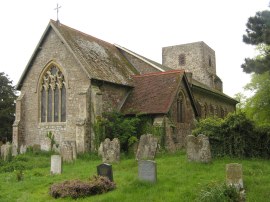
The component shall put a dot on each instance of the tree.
(258, 106)
(7, 106)
(258, 32)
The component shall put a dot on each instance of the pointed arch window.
(53, 96)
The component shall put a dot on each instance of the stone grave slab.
(198, 149)
(234, 175)
(147, 147)
(147, 170)
(105, 169)
(110, 150)
(56, 164)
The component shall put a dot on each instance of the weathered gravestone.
(147, 170)
(147, 147)
(234, 175)
(105, 169)
(67, 151)
(198, 149)
(23, 149)
(56, 164)
(110, 150)
(6, 151)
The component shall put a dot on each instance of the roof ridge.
(83, 33)
(160, 73)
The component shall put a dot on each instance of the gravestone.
(147, 147)
(66, 151)
(56, 164)
(147, 170)
(6, 151)
(23, 149)
(198, 149)
(105, 169)
(234, 175)
(110, 150)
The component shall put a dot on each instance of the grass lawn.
(178, 180)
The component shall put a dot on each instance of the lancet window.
(53, 96)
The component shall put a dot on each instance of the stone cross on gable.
(57, 10)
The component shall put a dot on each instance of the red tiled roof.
(153, 93)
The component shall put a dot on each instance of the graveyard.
(177, 179)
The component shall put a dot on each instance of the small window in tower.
(210, 61)
(182, 59)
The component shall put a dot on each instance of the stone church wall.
(181, 130)
(53, 49)
(212, 105)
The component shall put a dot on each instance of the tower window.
(210, 61)
(182, 59)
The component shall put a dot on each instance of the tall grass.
(178, 179)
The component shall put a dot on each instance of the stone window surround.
(49, 81)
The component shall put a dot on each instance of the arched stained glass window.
(53, 96)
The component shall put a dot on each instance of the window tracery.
(53, 96)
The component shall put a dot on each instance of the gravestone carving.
(110, 150)
(147, 147)
(105, 170)
(56, 164)
(198, 149)
(234, 175)
(147, 170)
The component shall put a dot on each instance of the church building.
(72, 78)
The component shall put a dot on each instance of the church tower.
(197, 58)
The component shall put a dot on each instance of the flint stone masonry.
(68, 152)
(198, 149)
(147, 170)
(105, 170)
(234, 175)
(56, 164)
(147, 147)
(110, 150)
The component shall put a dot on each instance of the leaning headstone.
(198, 149)
(147, 147)
(56, 164)
(234, 175)
(105, 169)
(66, 151)
(110, 150)
(147, 170)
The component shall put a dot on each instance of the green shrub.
(236, 135)
(219, 193)
(76, 188)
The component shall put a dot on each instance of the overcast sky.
(143, 26)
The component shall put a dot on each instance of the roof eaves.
(215, 93)
(139, 57)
